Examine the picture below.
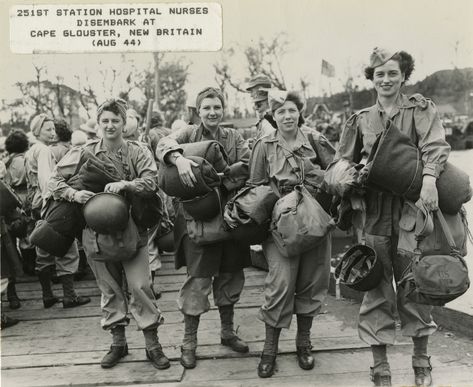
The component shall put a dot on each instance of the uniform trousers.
(194, 294)
(377, 320)
(296, 284)
(153, 250)
(114, 304)
(67, 264)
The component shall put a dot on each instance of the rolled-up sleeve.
(431, 139)
(259, 174)
(351, 142)
(65, 169)
(146, 170)
(171, 143)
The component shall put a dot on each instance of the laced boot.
(7, 321)
(118, 349)
(13, 300)
(71, 299)
(267, 363)
(189, 343)
(49, 299)
(228, 335)
(422, 370)
(154, 350)
(303, 345)
(381, 374)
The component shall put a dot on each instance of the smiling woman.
(417, 118)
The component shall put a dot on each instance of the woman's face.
(211, 112)
(47, 134)
(388, 79)
(287, 117)
(111, 124)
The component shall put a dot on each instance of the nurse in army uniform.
(216, 267)
(416, 117)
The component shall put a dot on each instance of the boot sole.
(242, 350)
(188, 366)
(111, 365)
(159, 367)
(49, 304)
(74, 305)
(306, 368)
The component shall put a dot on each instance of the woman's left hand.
(116, 187)
(429, 194)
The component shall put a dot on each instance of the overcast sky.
(341, 32)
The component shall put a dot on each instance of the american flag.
(328, 69)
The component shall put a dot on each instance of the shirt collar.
(100, 147)
(402, 102)
(220, 133)
(301, 141)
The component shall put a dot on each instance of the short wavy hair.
(62, 129)
(406, 64)
(17, 142)
(297, 99)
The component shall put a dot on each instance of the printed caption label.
(115, 27)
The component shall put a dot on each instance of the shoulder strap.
(446, 230)
(293, 163)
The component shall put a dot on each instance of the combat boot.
(13, 300)
(303, 345)
(422, 370)
(228, 336)
(189, 343)
(267, 363)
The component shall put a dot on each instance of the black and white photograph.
(236, 193)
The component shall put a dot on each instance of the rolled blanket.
(94, 174)
(212, 151)
(207, 178)
(396, 167)
(45, 237)
(250, 204)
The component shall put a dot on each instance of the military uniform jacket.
(416, 117)
(208, 260)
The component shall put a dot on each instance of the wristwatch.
(175, 156)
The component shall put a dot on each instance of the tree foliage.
(262, 58)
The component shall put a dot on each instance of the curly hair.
(62, 129)
(296, 98)
(16, 142)
(406, 64)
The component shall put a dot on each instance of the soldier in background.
(258, 87)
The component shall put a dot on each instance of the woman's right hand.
(184, 168)
(82, 196)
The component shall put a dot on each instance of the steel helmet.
(106, 213)
(203, 207)
(360, 268)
